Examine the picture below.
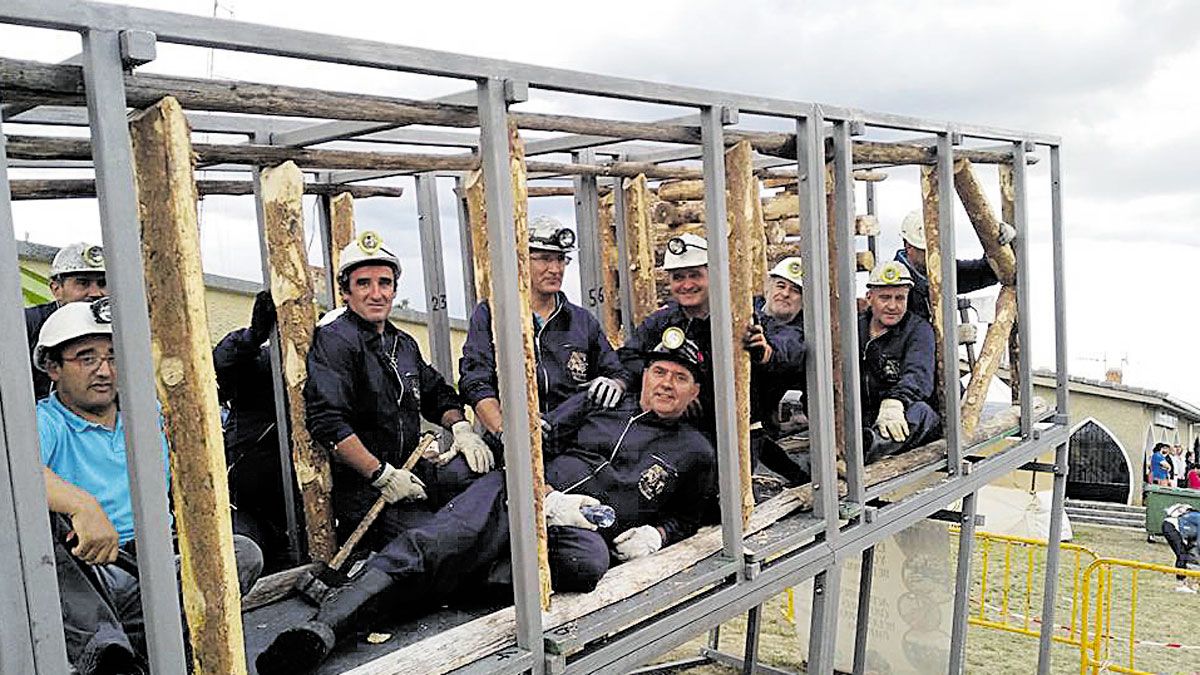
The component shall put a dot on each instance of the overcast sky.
(1115, 79)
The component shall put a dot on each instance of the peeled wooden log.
(931, 214)
(678, 213)
(869, 176)
(864, 261)
(84, 188)
(866, 225)
(1008, 207)
(611, 315)
(835, 300)
(639, 242)
(476, 201)
(780, 206)
(681, 191)
(186, 385)
(775, 231)
(989, 358)
(1001, 258)
(341, 231)
(551, 191)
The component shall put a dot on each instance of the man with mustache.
(639, 457)
(368, 386)
(571, 348)
(896, 370)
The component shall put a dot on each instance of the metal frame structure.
(748, 569)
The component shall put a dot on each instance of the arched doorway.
(1099, 467)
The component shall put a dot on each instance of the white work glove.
(399, 485)
(891, 422)
(637, 542)
(606, 392)
(564, 510)
(967, 332)
(472, 446)
(1007, 234)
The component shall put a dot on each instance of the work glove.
(606, 392)
(891, 422)
(1007, 234)
(637, 542)
(262, 317)
(755, 342)
(566, 510)
(472, 446)
(967, 332)
(399, 485)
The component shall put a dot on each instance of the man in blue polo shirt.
(87, 487)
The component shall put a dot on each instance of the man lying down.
(641, 458)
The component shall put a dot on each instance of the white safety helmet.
(71, 322)
(78, 258)
(688, 250)
(790, 269)
(912, 230)
(368, 248)
(890, 273)
(1176, 510)
(548, 234)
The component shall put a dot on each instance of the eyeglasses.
(92, 361)
(550, 258)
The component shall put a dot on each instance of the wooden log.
(777, 252)
(341, 231)
(931, 214)
(775, 231)
(780, 206)
(292, 290)
(1008, 206)
(477, 220)
(516, 161)
(639, 241)
(864, 261)
(185, 382)
(868, 176)
(988, 362)
(866, 225)
(678, 213)
(551, 191)
(84, 188)
(475, 639)
(681, 191)
(746, 262)
(835, 322)
(610, 318)
(970, 192)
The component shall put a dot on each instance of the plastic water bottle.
(600, 516)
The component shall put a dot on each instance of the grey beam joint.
(510, 362)
(104, 81)
(843, 181)
(962, 585)
(951, 382)
(712, 133)
(138, 47)
(433, 269)
(587, 225)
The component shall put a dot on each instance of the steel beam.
(624, 279)
(434, 273)
(1060, 283)
(1021, 248)
(115, 191)
(822, 628)
(951, 382)
(1053, 555)
(465, 244)
(862, 623)
(587, 226)
(750, 653)
(962, 586)
(843, 181)
(510, 363)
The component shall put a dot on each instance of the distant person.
(1180, 528)
(1193, 478)
(972, 275)
(1181, 467)
(76, 273)
(1160, 466)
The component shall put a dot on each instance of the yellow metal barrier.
(1096, 650)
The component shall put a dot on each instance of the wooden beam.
(931, 214)
(639, 239)
(341, 231)
(474, 197)
(866, 225)
(681, 190)
(610, 317)
(989, 358)
(186, 386)
(551, 191)
(864, 261)
(746, 262)
(84, 188)
(1008, 205)
(835, 323)
(1001, 258)
(516, 155)
(292, 290)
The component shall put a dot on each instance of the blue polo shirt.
(92, 457)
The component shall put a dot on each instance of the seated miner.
(777, 366)
(368, 387)
(76, 274)
(245, 384)
(972, 275)
(640, 458)
(87, 487)
(571, 349)
(1181, 529)
(896, 368)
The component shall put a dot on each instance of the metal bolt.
(816, 486)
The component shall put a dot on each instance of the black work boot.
(302, 648)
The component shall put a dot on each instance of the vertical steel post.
(872, 243)
(433, 268)
(862, 623)
(104, 81)
(822, 630)
(297, 544)
(587, 226)
(623, 276)
(720, 302)
(962, 585)
(1050, 586)
(1021, 248)
(753, 627)
(510, 363)
(951, 382)
(464, 242)
(31, 634)
(843, 182)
